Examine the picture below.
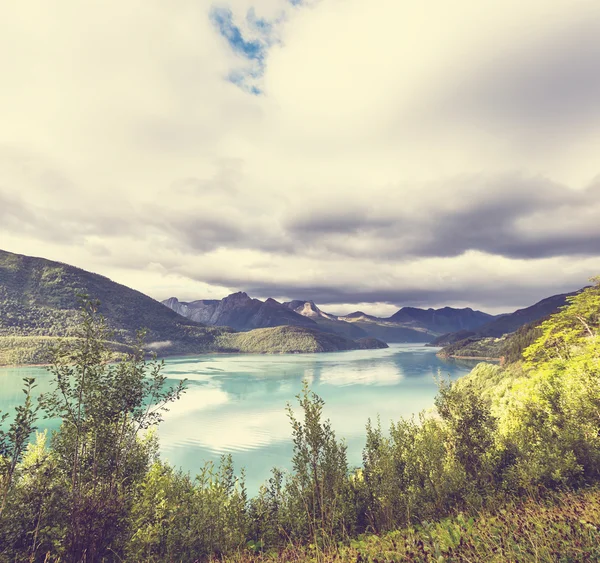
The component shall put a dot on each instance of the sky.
(366, 154)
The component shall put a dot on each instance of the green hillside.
(507, 348)
(39, 302)
(291, 339)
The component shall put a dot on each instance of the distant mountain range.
(461, 333)
(39, 305)
(409, 324)
(441, 320)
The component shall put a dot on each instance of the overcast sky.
(367, 154)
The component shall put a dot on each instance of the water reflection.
(241, 401)
(236, 404)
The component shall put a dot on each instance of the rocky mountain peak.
(238, 297)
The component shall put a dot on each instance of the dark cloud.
(492, 294)
(351, 221)
(204, 231)
(14, 212)
(511, 216)
(521, 219)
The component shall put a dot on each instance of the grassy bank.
(560, 527)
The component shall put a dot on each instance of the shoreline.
(487, 358)
(196, 355)
(21, 366)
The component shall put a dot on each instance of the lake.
(236, 403)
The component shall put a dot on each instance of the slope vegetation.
(292, 339)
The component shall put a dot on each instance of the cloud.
(546, 92)
(511, 215)
(428, 154)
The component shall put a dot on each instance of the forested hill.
(39, 303)
(39, 298)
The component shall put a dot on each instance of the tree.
(319, 483)
(471, 426)
(103, 407)
(13, 443)
(575, 324)
(553, 413)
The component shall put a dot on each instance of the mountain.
(409, 324)
(388, 331)
(504, 337)
(243, 313)
(240, 312)
(326, 321)
(39, 306)
(511, 322)
(39, 298)
(294, 339)
(507, 348)
(439, 321)
(198, 311)
(452, 338)
(357, 316)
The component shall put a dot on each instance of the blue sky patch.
(254, 49)
(222, 18)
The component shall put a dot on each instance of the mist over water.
(236, 403)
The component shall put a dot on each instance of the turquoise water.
(236, 403)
